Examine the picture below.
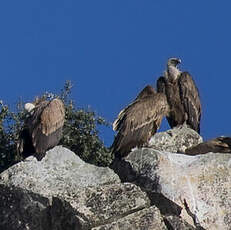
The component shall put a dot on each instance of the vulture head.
(173, 62)
(172, 72)
(29, 107)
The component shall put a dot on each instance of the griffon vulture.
(217, 145)
(139, 121)
(43, 127)
(182, 96)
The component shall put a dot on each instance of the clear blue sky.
(110, 49)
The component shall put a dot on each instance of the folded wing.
(46, 125)
(191, 100)
(139, 121)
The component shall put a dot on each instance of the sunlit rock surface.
(175, 140)
(63, 192)
(59, 171)
(152, 188)
(200, 185)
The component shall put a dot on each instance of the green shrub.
(8, 133)
(80, 132)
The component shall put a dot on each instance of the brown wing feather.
(52, 117)
(46, 125)
(171, 90)
(217, 145)
(160, 85)
(191, 101)
(145, 93)
(138, 122)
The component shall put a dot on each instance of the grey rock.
(94, 206)
(200, 184)
(176, 222)
(63, 192)
(59, 172)
(175, 140)
(81, 209)
(148, 219)
(21, 209)
(30, 187)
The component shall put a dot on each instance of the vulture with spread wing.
(182, 96)
(139, 121)
(43, 127)
(216, 145)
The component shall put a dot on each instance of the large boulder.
(199, 186)
(168, 190)
(61, 192)
(175, 140)
(29, 188)
(59, 171)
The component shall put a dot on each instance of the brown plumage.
(139, 121)
(43, 128)
(182, 96)
(217, 145)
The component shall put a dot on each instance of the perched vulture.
(182, 96)
(139, 121)
(43, 127)
(217, 145)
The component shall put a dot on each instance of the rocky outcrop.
(195, 187)
(151, 189)
(59, 172)
(175, 140)
(63, 192)
(96, 206)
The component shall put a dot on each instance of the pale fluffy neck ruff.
(29, 107)
(172, 72)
